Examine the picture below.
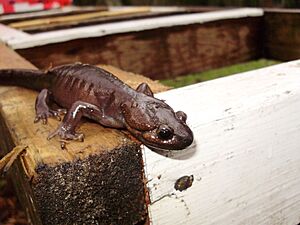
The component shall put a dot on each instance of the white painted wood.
(152, 8)
(7, 33)
(129, 26)
(246, 155)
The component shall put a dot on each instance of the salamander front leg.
(66, 129)
(43, 112)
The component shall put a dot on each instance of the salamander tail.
(32, 79)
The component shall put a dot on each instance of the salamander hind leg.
(66, 129)
(42, 109)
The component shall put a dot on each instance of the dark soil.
(10, 209)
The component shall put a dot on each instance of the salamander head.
(156, 125)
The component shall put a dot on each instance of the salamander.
(84, 90)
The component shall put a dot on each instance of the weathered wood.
(66, 10)
(101, 20)
(71, 10)
(151, 13)
(282, 27)
(99, 181)
(157, 47)
(245, 160)
(161, 53)
(77, 18)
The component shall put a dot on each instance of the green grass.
(216, 73)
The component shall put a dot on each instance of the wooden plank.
(157, 47)
(6, 57)
(7, 33)
(77, 17)
(99, 181)
(245, 159)
(66, 10)
(282, 29)
(98, 20)
(161, 53)
(131, 26)
(153, 12)
(71, 9)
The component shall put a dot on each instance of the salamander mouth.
(176, 143)
(155, 148)
(172, 147)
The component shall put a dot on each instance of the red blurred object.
(17, 6)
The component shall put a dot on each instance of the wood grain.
(98, 180)
(100, 30)
(282, 28)
(161, 53)
(77, 17)
(66, 10)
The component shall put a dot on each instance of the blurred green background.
(217, 73)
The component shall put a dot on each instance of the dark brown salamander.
(89, 91)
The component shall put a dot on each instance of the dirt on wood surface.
(10, 210)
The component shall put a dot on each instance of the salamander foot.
(44, 115)
(66, 134)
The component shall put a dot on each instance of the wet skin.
(88, 91)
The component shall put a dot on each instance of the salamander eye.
(164, 132)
